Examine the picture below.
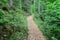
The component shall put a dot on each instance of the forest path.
(33, 31)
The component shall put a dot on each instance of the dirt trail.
(34, 33)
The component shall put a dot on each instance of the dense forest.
(13, 23)
(48, 19)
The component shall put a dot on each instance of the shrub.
(10, 23)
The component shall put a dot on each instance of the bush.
(12, 23)
(50, 15)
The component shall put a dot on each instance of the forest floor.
(33, 31)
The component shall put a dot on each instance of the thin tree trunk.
(34, 6)
(20, 4)
(39, 7)
(11, 3)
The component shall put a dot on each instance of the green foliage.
(16, 36)
(4, 2)
(50, 15)
(16, 3)
(13, 24)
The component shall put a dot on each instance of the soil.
(33, 31)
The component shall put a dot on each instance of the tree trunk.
(39, 7)
(11, 3)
